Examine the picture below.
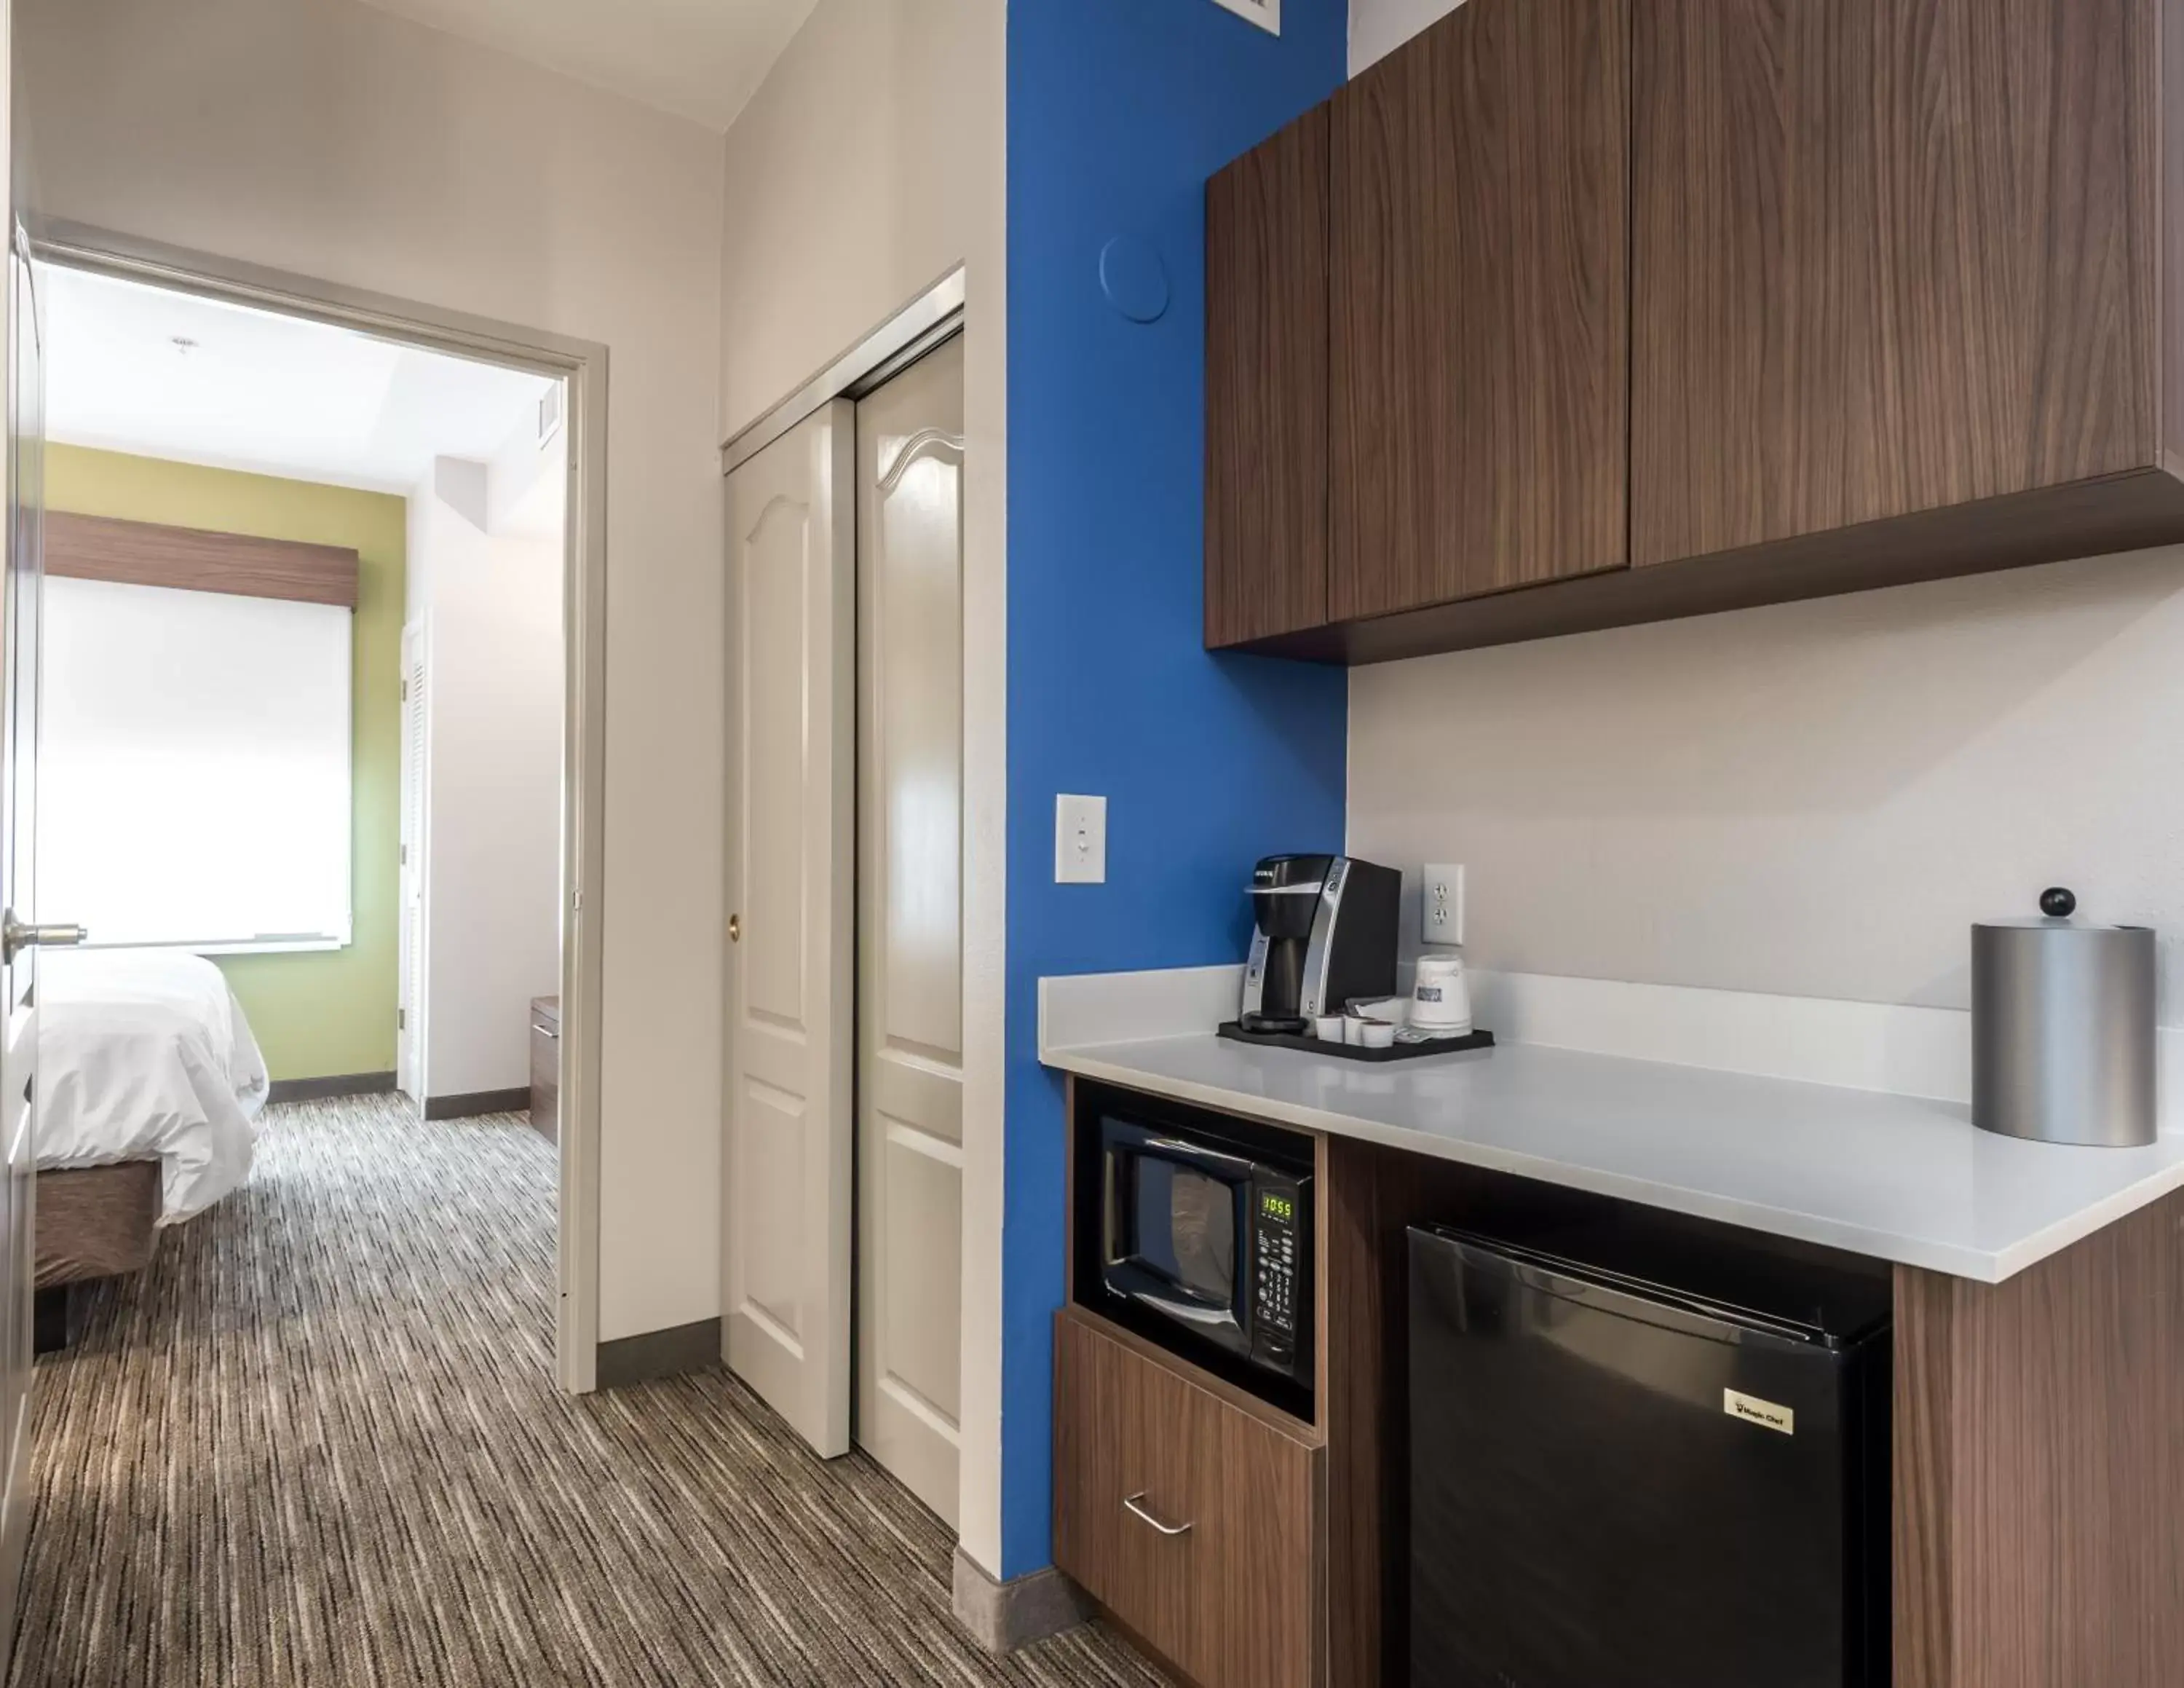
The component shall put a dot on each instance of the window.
(193, 767)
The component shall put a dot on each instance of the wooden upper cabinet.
(1479, 269)
(1266, 388)
(1889, 255)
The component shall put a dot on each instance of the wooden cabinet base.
(546, 1067)
(2039, 1455)
(1196, 1523)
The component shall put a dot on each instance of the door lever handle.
(1144, 1516)
(14, 935)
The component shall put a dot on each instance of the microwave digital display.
(1277, 1207)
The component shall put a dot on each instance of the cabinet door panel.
(1197, 1523)
(1479, 363)
(1123, 1433)
(1266, 388)
(1258, 1516)
(1889, 255)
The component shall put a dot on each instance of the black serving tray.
(1234, 1033)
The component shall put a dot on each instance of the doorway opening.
(322, 664)
(843, 1162)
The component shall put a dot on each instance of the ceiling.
(139, 369)
(699, 58)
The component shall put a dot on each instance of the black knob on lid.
(2057, 903)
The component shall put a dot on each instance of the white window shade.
(193, 768)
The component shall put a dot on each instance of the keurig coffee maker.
(1326, 933)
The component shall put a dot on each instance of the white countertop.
(1893, 1176)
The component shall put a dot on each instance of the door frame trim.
(916, 329)
(583, 365)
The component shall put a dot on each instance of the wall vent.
(1266, 13)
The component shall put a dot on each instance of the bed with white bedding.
(144, 1056)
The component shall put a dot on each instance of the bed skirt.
(95, 1221)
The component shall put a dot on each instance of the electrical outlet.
(1080, 839)
(1442, 898)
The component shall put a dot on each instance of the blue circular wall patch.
(1132, 276)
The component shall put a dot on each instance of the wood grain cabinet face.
(1889, 255)
(1266, 388)
(1233, 1599)
(546, 1068)
(1479, 358)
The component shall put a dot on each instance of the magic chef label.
(1764, 1414)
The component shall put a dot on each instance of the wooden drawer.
(546, 1068)
(1194, 1521)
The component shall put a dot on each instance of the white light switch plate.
(1080, 839)
(1441, 900)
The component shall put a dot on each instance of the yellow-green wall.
(323, 1012)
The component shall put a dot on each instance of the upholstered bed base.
(92, 1221)
(95, 1221)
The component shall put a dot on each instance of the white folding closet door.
(910, 971)
(787, 1165)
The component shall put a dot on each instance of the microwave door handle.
(1200, 1154)
(1189, 1311)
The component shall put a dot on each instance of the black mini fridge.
(1645, 1462)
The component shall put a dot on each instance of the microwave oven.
(1195, 1231)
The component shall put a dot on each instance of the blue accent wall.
(1118, 111)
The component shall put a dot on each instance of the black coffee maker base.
(1235, 1033)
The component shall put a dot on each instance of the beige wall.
(1814, 799)
(867, 164)
(871, 162)
(326, 139)
(1379, 27)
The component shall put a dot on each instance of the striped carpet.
(318, 1443)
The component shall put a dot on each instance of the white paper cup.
(1376, 1034)
(1328, 1028)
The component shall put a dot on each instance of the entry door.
(18, 954)
(787, 1159)
(909, 926)
(410, 1008)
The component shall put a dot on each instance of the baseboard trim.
(336, 1084)
(659, 1353)
(472, 1103)
(1004, 1616)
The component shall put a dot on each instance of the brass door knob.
(735, 929)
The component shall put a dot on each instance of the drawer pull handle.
(547, 1029)
(1142, 1515)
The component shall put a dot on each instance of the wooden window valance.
(194, 559)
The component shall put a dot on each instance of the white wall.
(872, 160)
(1814, 799)
(867, 164)
(490, 600)
(331, 139)
(1379, 27)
